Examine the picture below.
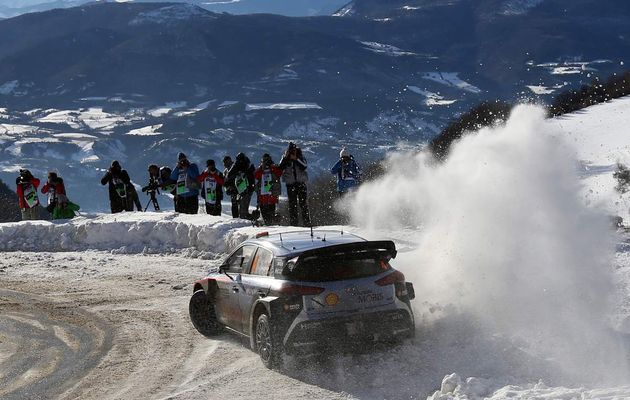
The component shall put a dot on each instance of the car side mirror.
(411, 293)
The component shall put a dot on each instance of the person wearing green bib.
(59, 206)
(241, 176)
(212, 188)
(167, 184)
(27, 195)
(268, 188)
(187, 187)
(120, 195)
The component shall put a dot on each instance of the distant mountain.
(14, 8)
(141, 81)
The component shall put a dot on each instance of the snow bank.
(196, 235)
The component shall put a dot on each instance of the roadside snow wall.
(198, 235)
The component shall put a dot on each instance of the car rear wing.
(381, 246)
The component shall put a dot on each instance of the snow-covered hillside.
(601, 139)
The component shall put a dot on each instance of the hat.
(344, 153)
(181, 156)
(115, 164)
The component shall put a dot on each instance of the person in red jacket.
(268, 188)
(211, 180)
(27, 186)
(56, 191)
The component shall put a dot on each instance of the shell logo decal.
(332, 299)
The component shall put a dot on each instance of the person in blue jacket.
(348, 172)
(185, 175)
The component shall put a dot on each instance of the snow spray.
(504, 236)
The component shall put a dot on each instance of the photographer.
(167, 184)
(212, 188)
(153, 187)
(295, 176)
(268, 188)
(230, 189)
(27, 186)
(241, 175)
(187, 187)
(58, 204)
(120, 195)
(348, 172)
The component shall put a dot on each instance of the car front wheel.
(267, 346)
(203, 315)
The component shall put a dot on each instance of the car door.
(255, 283)
(227, 301)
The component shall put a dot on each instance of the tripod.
(153, 199)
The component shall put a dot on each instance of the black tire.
(267, 346)
(203, 315)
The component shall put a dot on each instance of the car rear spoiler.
(383, 246)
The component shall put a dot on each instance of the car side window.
(240, 259)
(262, 262)
(235, 261)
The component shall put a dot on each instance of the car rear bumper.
(381, 326)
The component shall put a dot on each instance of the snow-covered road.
(116, 326)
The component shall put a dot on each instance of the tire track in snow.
(53, 345)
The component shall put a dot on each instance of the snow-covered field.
(523, 291)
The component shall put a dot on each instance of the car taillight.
(394, 277)
(300, 290)
(397, 279)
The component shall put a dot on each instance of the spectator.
(58, 204)
(27, 186)
(120, 194)
(241, 175)
(348, 172)
(230, 189)
(212, 188)
(185, 174)
(268, 188)
(295, 176)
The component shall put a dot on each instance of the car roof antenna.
(324, 238)
(342, 229)
(311, 230)
(281, 238)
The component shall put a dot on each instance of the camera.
(153, 186)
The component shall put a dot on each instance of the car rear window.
(339, 267)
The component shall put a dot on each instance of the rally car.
(295, 292)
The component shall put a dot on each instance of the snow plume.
(504, 237)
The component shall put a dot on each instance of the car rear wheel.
(267, 346)
(203, 315)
